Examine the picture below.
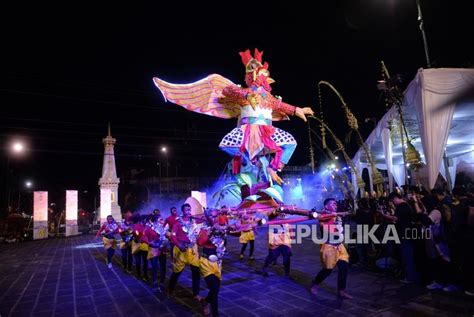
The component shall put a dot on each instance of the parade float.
(258, 150)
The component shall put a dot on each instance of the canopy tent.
(438, 111)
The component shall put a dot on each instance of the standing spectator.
(403, 219)
(443, 203)
(363, 217)
(437, 248)
(467, 239)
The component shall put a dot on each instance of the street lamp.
(18, 147)
(164, 149)
(28, 184)
(159, 166)
(15, 147)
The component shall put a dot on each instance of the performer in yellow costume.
(139, 247)
(108, 231)
(211, 240)
(185, 252)
(125, 230)
(332, 252)
(279, 242)
(247, 236)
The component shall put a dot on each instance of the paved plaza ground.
(68, 277)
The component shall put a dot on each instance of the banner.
(40, 215)
(71, 213)
(105, 204)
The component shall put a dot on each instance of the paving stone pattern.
(68, 277)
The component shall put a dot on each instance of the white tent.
(439, 113)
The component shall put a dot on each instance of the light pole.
(164, 149)
(28, 184)
(15, 148)
(423, 34)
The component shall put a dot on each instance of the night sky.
(67, 70)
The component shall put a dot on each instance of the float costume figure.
(255, 107)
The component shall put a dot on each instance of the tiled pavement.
(68, 277)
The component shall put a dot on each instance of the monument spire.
(109, 179)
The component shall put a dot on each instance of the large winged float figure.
(255, 138)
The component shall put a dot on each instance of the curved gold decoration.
(321, 127)
(353, 124)
(340, 147)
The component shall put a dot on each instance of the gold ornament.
(322, 128)
(413, 157)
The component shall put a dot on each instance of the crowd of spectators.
(436, 231)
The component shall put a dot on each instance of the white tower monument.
(109, 179)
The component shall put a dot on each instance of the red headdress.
(257, 74)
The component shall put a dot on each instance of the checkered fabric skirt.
(235, 138)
